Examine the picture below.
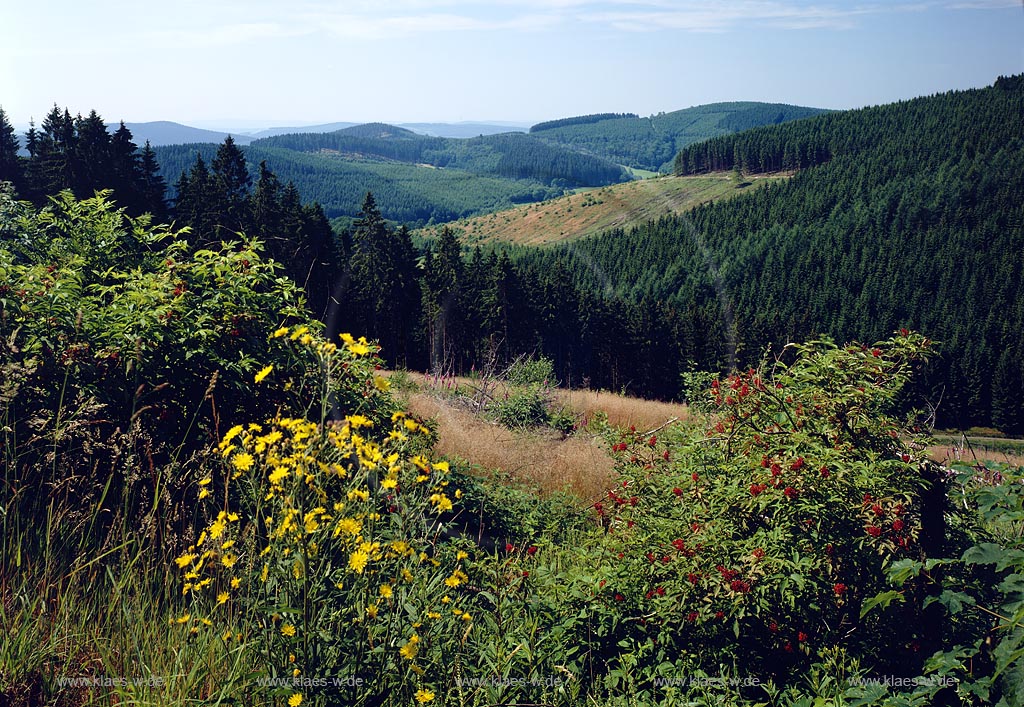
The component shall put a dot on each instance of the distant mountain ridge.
(166, 132)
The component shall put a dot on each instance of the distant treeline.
(579, 120)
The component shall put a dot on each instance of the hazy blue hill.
(380, 131)
(165, 132)
(462, 130)
(652, 142)
(325, 128)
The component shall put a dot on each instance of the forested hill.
(651, 143)
(913, 216)
(410, 194)
(509, 155)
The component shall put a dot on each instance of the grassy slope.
(596, 210)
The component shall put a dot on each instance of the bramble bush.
(757, 542)
(121, 349)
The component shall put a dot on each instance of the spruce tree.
(11, 169)
(92, 165)
(231, 182)
(152, 187)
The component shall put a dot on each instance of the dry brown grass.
(578, 464)
(596, 210)
(623, 411)
(948, 454)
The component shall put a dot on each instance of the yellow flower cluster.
(350, 507)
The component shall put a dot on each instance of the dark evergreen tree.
(230, 182)
(92, 159)
(11, 168)
(151, 185)
(196, 205)
(384, 296)
(442, 303)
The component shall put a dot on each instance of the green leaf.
(983, 554)
(883, 600)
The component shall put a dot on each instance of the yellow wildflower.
(204, 493)
(358, 421)
(357, 561)
(295, 700)
(229, 560)
(232, 433)
(287, 630)
(235, 582)
(385, 591)
(283, 331)
(185, 559)
(381, 383)
(350, 526)
(371, 611)
(222, 597)
(243, 461)
(424, 696)
(264, 372)
(217, 528)
(410, 649)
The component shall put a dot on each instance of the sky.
(248, 64)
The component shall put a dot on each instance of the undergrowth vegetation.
(206, 502)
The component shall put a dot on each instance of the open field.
(603, 209)
(579, 463)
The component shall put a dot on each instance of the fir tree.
(11, 168)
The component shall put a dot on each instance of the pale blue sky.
(257, 63)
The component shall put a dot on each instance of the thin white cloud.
(985, 5)
(367, 27)
(713, 16)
